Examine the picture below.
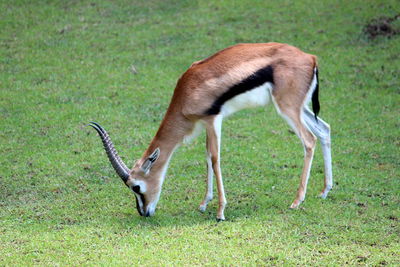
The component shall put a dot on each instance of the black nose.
(147, 214)
(136, 188)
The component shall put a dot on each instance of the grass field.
(65, 63)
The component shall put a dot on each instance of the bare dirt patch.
(382, 26)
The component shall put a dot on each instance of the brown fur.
(208, 79)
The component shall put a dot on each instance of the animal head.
(143, 180)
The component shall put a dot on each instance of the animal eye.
(136, 188)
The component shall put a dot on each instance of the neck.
(169, 136)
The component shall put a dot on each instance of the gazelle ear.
(150, 160)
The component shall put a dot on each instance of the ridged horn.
(117, 163)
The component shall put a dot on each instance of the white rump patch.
(311, 88)
(256, 97)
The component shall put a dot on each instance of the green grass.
(65, 63)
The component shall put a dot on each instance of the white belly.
(256, 97)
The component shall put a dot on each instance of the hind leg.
(323, 133)
(293, 117)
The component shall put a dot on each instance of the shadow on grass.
(269, 210)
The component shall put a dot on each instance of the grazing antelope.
(238, 77)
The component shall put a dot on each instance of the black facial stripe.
(256, 79)
(142, 198)
(137, 202)
(137, 206)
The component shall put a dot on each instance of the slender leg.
(293, 117)
(209, 191)
(213, 128)
(323, 132)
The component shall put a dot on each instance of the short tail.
(314, 98)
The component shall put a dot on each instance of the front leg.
(221, 192)
(213, 127)
(209, 191)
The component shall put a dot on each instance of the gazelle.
(238, 77)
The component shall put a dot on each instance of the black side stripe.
(258, 78)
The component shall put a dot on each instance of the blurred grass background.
(64, 63)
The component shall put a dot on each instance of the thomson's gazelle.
(238, 77)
